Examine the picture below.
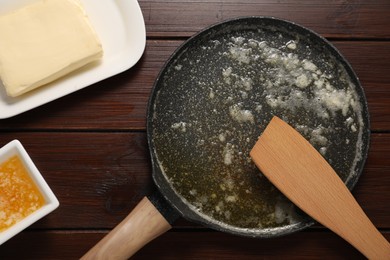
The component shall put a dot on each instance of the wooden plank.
(100, 177)
(341, 19)
(185, 245)
(371, 71)
(303, 245)
(91, 145)
(121, 101)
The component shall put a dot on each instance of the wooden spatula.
(303, 175)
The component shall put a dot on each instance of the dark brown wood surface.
(92, 149)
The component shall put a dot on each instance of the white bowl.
(51, 202)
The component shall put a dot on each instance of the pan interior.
(217, 94)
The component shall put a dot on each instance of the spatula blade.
(299, 171)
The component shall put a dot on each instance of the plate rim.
(130, 11)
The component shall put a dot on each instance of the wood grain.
(120, 103)
(107, 174)
(341, 19)
(91, 145)
(186, 245)
(301, 173)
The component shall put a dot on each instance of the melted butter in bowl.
(19, 195)
(25, 197)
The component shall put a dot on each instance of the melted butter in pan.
(217, 99)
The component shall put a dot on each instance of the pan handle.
(141, 226)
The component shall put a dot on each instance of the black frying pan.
(214, 97)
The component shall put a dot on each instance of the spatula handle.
(141, 226)
(361, 232)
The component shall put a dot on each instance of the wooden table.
(91, 146)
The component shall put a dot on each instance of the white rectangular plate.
(121, 29)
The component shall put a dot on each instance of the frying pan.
(211, 101)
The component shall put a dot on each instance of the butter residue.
(229, 96)
(241, 115)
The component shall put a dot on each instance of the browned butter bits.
(19, 195)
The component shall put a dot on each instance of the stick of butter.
(44, 41)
